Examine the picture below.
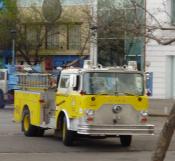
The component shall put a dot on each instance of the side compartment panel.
(32, 101)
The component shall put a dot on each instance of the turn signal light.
(90, 119)
(148, 93)
(144, 120)
(90, 116)
(82, 92)
(143, 117)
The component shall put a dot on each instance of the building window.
(65, 81)
(120, 35)
(63, 37)
(173, 12)
(53, 37)
(74, 37)
(32, 36)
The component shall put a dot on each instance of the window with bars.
(74, 37)
(53, 37)
(32, 36)
(63, 37)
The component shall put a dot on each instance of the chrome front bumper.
(111, 130)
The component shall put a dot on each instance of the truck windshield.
(113, 83)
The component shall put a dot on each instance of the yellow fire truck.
(96, 102)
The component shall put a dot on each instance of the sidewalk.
(9, 106)
(160, 107)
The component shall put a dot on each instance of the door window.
(2, 76)
(65, 81)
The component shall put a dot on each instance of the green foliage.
(7, 21)
(9, 9)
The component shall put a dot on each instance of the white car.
(3, 86)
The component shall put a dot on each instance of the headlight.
(90, 113)
(143, 117)
(144, 113)
(90, 116)
(116, 109)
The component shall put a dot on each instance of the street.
(15, 146)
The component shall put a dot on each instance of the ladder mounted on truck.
(35, 81)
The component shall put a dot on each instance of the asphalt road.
(15, 146)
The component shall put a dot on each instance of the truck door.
(65, 99)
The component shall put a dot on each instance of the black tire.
(40, 132)
(11, 94)
(126, 140)
(29, 129)
(67, 135)
(2, 100)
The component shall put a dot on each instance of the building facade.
(115, 47)
(64, 41)
(160, 59)
(59, 48)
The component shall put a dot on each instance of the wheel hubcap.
(64, 131)
(26, 123)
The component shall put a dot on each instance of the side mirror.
(73, 81)
(148, 93)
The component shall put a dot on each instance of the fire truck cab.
(95, 102)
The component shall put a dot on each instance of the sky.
(27, 3)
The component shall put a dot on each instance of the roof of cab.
(106, 69)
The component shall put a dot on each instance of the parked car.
(8, 83)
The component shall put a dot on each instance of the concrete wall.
(158, 56)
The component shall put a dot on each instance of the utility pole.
(93, 39)
(13, 52)
(13, 33)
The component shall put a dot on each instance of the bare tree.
(30, 28)
(165, 137)
(124, 28)
(121, 29)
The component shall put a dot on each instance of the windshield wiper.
(115, 93)
(101, 93)
(125, 93)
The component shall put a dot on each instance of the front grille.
(106, 115)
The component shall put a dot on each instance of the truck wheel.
(40, 131)
(126, 140)
(2, 101)
(28, 129)
(11, 96)
(67, 135)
